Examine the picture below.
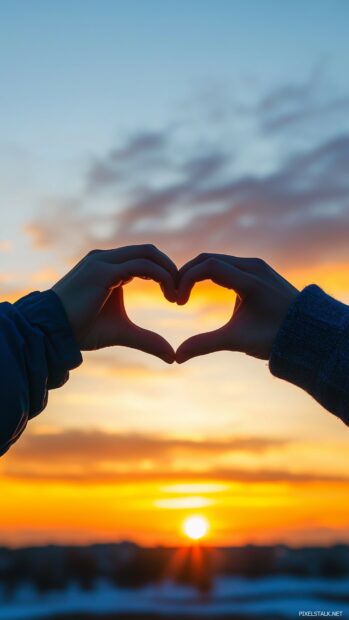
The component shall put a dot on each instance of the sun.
(195, 527)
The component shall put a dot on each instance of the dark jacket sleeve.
(311, 349)
(37, 350)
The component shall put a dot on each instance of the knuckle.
(151, 265)
(149, 248)
(211, 262)
(92, 253)
(259, 262)
(140, 266)
(204, 256)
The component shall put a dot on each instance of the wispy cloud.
(295, 105)
(232, 475)
(99, 457)
(193, 198)
(73, 446)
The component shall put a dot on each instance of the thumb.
(149, 342)
(202, 344)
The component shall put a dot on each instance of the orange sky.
(130, 448)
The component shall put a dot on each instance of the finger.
(219, 272)
(133, 252)
(251, 265)
(143, 268)
(238, 302)
(202, 344)
(200, 258)
(150, 342)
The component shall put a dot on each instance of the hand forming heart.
(263, 298)
(92, 296)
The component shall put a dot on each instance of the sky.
(198, 126)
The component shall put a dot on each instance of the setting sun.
(196, 527)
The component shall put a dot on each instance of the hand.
(263, 298)
(92, 295)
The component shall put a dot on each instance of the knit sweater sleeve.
(311, 349)
(37, 350)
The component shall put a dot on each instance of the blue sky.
(77, 77)
(84, 70)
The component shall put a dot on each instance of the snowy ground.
(269, 597)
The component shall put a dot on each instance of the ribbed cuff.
(46, 312)
(311, 348)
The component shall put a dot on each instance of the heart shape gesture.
(263, 298)
(92, 295)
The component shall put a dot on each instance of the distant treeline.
(127, 565)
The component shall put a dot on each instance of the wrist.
(68, 309)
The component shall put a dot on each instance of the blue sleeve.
(37, 350)
(311, 349)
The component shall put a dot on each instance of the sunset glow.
(196, 527)
(165, 126)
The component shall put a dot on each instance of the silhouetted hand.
(92, 296)
(262, 301)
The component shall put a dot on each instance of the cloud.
(78, 446)
(232, 474)
(193, 195)
(119, 365)
(58, 224)
(140, 149)
(298, 114)
(99, 457)
(297, 104)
